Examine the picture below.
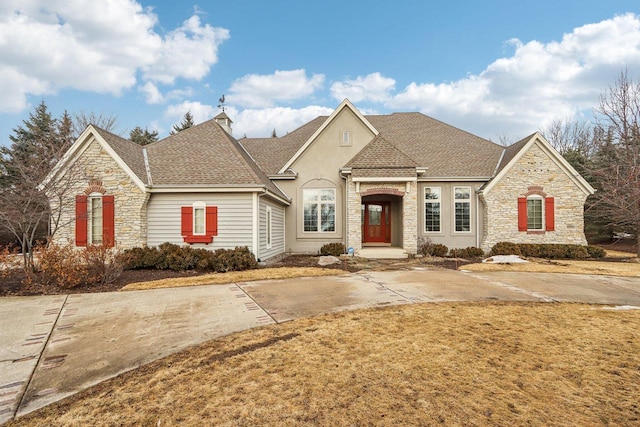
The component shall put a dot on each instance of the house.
(374, 180)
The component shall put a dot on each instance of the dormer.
(223, 120)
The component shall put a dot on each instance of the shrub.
(104, 264)
(335, 249)
(62, 266)
(505, 248)
(9, 259)
(168, 256)
(427, 248)
(470, 252)
(547, 250)
(596, 252)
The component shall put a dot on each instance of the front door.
(376, 223)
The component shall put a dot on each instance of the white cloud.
(151, 93)
(261, 122)
(538, 83)
(258, 91)
(372, 87)
(200, 112)
(48, 45)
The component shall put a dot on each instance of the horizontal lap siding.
(277, 233)
(234, 218)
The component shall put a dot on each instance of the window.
(268, 227)
(199, 223)
(346, 138)
(462, 208)
(95, 220)
(432, 198)
(319, 207)
(199, 219)
(534, 213)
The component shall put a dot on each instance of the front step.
(383, 253)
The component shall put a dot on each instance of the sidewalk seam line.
(256, 302)
(35, 368)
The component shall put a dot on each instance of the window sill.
(536, 232)
(198, 239)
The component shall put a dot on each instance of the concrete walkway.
(54, 346)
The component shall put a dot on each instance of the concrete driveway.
(54, 346)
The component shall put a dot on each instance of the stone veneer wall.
(535, 168)
(409, 213)
(130, 203)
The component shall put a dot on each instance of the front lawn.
(428, 364)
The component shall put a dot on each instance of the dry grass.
(430, 364)
(234, 277)
(627, 269)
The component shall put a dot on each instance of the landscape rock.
(328, 260)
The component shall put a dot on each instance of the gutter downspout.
(256, 224)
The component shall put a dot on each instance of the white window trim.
(90, 199)
(439, 201)
(203, 206)
(319, 218)
(543, 223)
(269, 227)
(453, 205)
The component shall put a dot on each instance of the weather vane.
(221, 103)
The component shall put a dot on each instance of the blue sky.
(499, 69)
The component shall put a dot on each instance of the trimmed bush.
(469, 252)
(427, 248)
(505, 248)
(168, 256)
(335, 249)
(547, 250)
(596, 252)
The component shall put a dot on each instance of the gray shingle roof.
(272, 154)
(444, 150)
(384, 173)
(379, 153)
(202, 155)
(128, 151)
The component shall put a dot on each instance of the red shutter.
(549, 213)
(81, 220)
(108, 222)
(212, 221)
(187, 220)
(522, 214)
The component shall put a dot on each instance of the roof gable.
(380, 153)
(127, 154)
(346, 104)
(514, 152)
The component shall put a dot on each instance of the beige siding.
(235, 220)
(319, 167)
(447, 235)
(277, 229)
(534, 168)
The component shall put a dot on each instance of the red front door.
(376, 223)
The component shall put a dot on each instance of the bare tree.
(570, 135)
(104, 121)
(616, 161)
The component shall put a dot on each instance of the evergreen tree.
(186, 123)
(143, 137)
(36, 146)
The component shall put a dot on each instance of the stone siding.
(534, 168)
(130, 203)
(409, 213)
